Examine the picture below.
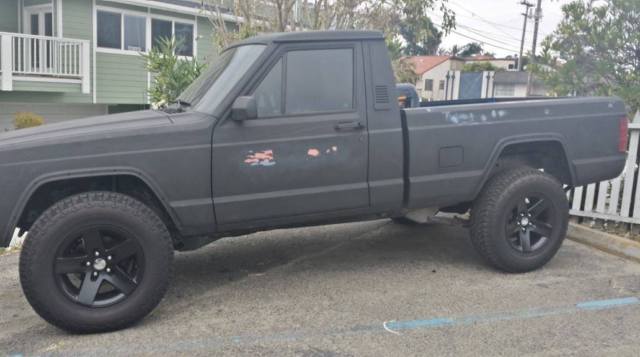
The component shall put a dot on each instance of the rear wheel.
(95, 262)
(520, 219)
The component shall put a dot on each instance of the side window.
(319, 81)
(268, 95)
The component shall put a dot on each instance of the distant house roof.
(422, 64)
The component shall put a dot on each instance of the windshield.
(212, 86)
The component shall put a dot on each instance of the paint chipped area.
(314, 152)
(260, 158)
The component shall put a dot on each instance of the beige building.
(439, 77)
(433, 74)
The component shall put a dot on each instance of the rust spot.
(260, 158)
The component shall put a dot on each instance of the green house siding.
(77, 17)
(120, 79)
(31, 86)
(206, 41)
(35, 2)
(9, 16)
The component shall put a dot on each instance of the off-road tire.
(488, 233)
(38, 257)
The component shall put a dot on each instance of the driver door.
(307, 151)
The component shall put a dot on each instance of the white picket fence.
(616, 200)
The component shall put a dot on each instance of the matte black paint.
(391, 161)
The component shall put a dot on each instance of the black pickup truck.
(285, 130)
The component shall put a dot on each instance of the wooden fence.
(614, 200)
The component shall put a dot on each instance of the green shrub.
(27, 120)
(170, 74)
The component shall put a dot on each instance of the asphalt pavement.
(363, 289)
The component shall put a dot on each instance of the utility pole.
(536, 25)
(527, 6)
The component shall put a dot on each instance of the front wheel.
(98, 261)
(520, 220)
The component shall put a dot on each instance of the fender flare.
(39, 181)
(523, 139)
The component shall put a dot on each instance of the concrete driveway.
(365, 289)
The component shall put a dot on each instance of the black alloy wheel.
(99, 266)
(530, 223)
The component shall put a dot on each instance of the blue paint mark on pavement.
(514, 315)
(605, 304)
(209, 343)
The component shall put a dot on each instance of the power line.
(484, 42)
(486, 35)
(491, 23)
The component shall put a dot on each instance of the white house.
(433, 74)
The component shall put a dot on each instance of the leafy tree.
(419, 33)
(480, 67)
(405, 23)
(595, 50)
(470, 49)
(171, 74)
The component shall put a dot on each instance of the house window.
(135, 33)
(109, 29)
(441, 85)
(184, 37)
(113, 32)
(428, 85)
(126, 30)
(182, 32)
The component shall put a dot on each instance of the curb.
(606, 242)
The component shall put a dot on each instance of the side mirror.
(244, 108)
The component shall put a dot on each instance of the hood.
(103, 125)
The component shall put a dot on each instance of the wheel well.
(50, 193)
(547, 155)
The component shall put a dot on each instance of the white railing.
(43, 58)
(616, 200)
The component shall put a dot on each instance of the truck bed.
(450, 148)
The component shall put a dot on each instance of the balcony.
(42, 63)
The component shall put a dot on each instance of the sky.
(498, 23)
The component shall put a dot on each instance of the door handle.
(351, 125)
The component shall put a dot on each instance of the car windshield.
(212, 86)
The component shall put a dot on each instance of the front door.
(307, 152)
(38, 21)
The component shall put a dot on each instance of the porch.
(44, 63)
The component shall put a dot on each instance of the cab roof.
(309, 36)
